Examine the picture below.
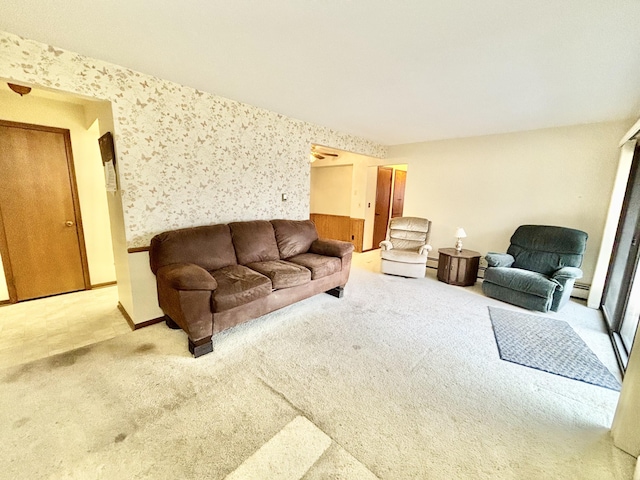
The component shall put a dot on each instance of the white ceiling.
(392, 71)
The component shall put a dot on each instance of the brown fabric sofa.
(214, 277)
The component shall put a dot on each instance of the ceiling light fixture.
(320, 155)
(19, 89)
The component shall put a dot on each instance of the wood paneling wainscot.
(340, 227)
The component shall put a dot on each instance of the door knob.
(69, 223)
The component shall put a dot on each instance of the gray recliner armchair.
(406, 249)
(539, 269)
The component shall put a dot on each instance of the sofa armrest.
(331, 248)
(386, 245)
(425, 249)
(566, 273)
(187, 276)
(499, 259)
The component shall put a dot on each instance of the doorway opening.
(45, 136)
(55, 234)
(390, 182)
(337, 187)
(343, 188)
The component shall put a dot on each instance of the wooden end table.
(458, 268)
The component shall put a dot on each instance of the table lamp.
(460, 234)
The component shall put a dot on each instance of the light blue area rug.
(549, 345)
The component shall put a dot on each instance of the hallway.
(48, 326)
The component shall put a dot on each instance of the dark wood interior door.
(41, 236)
(383, 200)
(399, 183)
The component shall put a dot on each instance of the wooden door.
(41, 237)
(400, 180)
(383, 200)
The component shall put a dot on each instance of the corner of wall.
(143, 289)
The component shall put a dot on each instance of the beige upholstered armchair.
(405, 250)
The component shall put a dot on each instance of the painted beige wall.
(143, 288)
(331, 190)
(626, 422)
(492, 184)
(4, 291)
(370, 207)
(101, 112)
(88, 169)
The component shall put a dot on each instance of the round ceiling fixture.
(19, 89)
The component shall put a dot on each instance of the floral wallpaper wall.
(185, 157)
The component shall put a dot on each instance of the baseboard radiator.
(580, 290)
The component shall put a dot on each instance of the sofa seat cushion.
(319, 265)
(238, 285)
(520, 280)
(404, 256)
(282, 274)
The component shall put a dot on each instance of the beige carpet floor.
(400, 379)
(47, 326)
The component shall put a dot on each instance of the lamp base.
(459, 245)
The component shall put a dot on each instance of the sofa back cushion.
(254, 241)
(208, 246)
(294, 237)
(545, 249)
(409, 233)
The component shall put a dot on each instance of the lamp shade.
(460, 233)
